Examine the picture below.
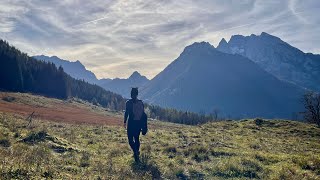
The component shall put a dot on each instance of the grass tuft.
(146, 166)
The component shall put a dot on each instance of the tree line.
(21, 73)
(176, 116)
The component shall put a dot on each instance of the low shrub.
(16, 174)
(220, 153)
(170, 149)
(5, 143)
(200, 157)
(85, 158)
(8, 98)
(180, 174)
(40, 136)
(194, 174)
(258, 121)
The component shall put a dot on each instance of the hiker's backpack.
(139, 115)
(137, 110)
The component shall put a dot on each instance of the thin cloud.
(116, 37)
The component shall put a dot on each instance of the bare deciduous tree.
(311, 102)
(215, 114)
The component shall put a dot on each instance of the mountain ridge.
(77, 70)
(186, 84)
(277, 57)
(123, 86)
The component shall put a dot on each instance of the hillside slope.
(202, 79)
(256, 149)
(75, 111)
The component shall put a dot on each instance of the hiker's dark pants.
(133, 132)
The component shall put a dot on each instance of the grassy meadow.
(245, 149)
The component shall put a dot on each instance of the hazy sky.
(115, 38)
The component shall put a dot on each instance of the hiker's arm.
(126, 114)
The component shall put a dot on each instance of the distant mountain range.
(78, 71)
(75, 69)
(277, 57)
(202, 79)
(249, 76)
(123, 86)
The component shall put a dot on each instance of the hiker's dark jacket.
(134, 126)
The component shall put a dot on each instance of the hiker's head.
(134, 93)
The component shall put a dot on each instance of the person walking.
(137, 122)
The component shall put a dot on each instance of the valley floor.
(76, 140)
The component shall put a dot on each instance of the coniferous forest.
(21, 73)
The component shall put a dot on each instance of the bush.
(48, 174)
(194, 174)
(180, 174)
(255, 146)
(170, 149)
(9, 98)
(199, 157)
(220, 153)
(180, 160)
(258, 121)
(37, 137)
(84, 161)
(60, 149)
(95, 102)
(5, 143)
(16, 174)
(16, 135)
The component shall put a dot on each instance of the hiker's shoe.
(136, 157)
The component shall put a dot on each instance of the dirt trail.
(61, 113)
